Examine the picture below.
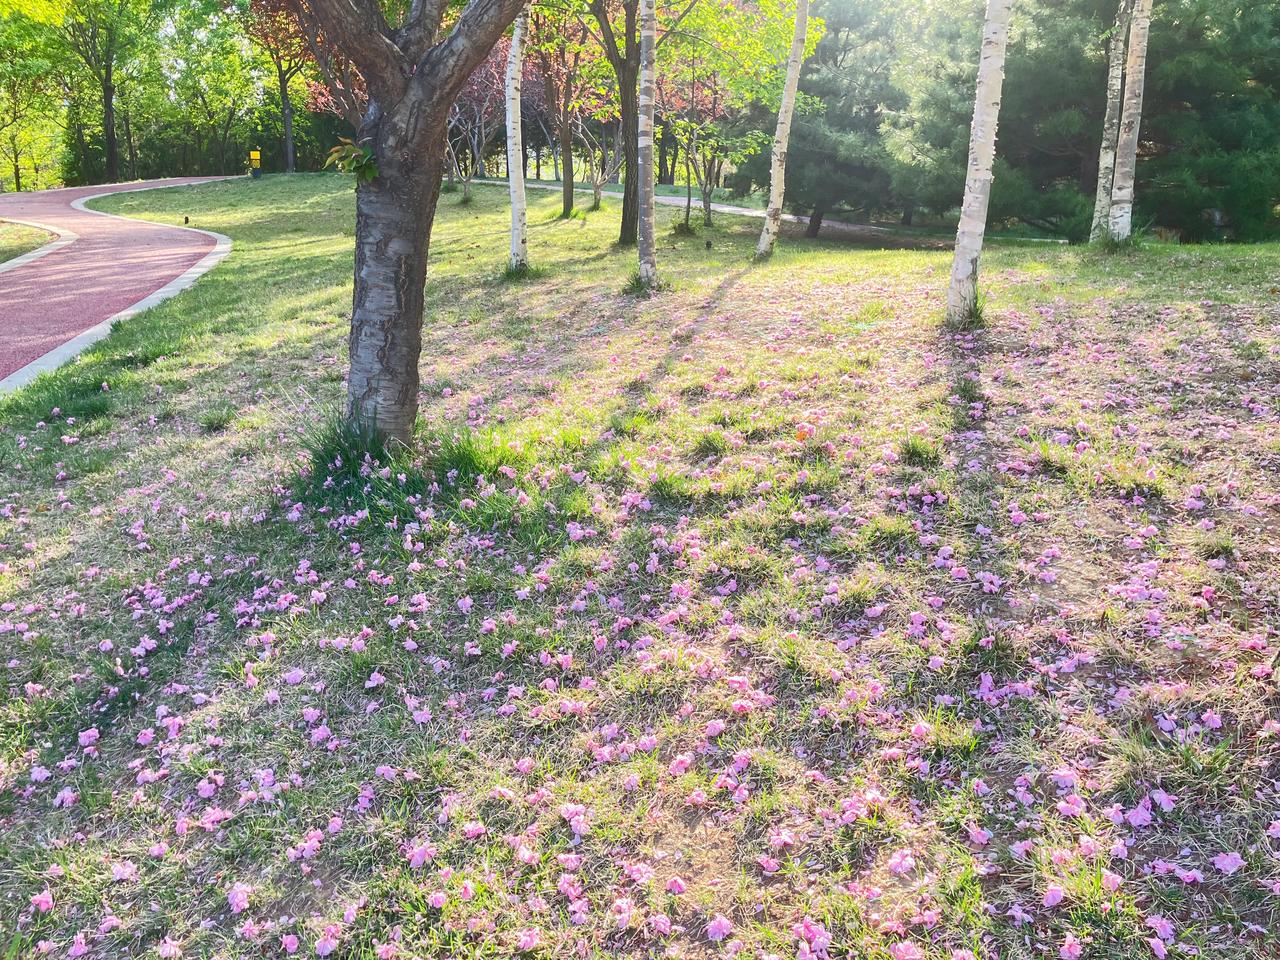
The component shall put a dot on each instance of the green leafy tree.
(103, 35)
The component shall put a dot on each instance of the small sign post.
(255, 163)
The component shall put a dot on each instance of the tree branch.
(444, 69)
(360, 29)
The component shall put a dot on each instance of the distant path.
(840, 229)
(56, 300)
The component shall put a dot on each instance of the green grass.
(17, 239)
(769, 564)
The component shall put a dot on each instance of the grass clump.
(920, 453)
(217, 418)
(522, 273)
(639, 287)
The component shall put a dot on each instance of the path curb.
(64, 238)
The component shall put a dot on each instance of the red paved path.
(114, 264)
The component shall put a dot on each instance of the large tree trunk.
(394, 213)
(519, 258)
(17, 163)
(110, 145)
(1121, 224)
(286, 116)
(782, 136)
(1111, 121)
(962, 295)
(644, 167)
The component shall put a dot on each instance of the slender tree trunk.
(629, 114)
(129, 146)
(1111, 121)
(286, 117)
(519, 258)
(82, 149)
(815, 223)
(566, 159)
(597, 182)
(962, 296)
(110, 144)
(664, 147)
(1126, 164)
(782, 136)
(709, 181)
(619, 147)
(644, 167)
(17, 163)
(688, 193)
(394, 213)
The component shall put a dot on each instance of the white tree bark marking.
(782, 136)
(962, 295)
(519, 258)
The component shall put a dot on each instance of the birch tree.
(1111, 121)
(519, 259)
(1121, 223)
(644, 165)
(962, 295)
(778, 168)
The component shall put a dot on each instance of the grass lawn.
(17, 239)
(763, 618)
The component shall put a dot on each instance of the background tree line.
(94, 90)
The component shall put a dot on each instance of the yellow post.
(255, 163)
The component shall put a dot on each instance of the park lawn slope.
(17, 239)
(762, 617)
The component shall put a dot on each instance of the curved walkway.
(58, 299)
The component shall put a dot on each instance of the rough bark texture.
(519, 258)
(1111, 121)
(393, 214)
(1121, 223)
(629, 115)
(962, 295)
(644, 168)
(782, 136)
(413, 75)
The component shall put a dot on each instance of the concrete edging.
(64, 352)
(64, 238)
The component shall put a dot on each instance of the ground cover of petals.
(764, 618)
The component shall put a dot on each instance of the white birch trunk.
(519, 258)
(644, 166)
(962, 295)
(1131, 119)
(1111, 121)
(782, 136)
